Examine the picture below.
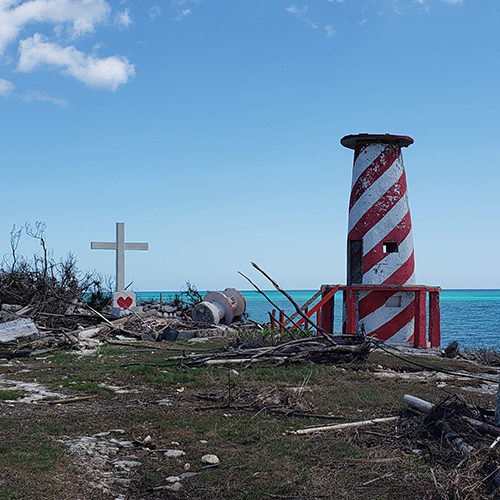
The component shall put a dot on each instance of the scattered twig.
(69, 400)
(389, 474)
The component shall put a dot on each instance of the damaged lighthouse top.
(351, 141)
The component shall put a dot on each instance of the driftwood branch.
(350, 425)
(483, 427)
(418, 404)
(273, 304)
(297, 307)
(307, 304)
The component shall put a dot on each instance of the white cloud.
(78, 16)
(329, 31)
(183, 13)
(301, 14)
(180, 3)
(41, 96)
(184, 7)
(154, 12)
(123, 18)
(453, 1)
(6, 87)
(108, 73)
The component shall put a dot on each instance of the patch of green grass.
(290, 374)
(158, 377)
(31, 454)
(62, 357)
(88, 387)
(9, 395)
(110, 350)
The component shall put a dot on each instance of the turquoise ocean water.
(472, 317)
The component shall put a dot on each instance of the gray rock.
(126, 464)
(174, 453)
(174, 487)
(210, 460)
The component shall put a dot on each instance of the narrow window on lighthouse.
(390, 247)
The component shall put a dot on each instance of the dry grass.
(259, 456)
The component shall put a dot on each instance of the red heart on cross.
(124, 302)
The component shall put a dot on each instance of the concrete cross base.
(123, 304)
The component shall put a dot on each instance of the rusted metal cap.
(351, 141)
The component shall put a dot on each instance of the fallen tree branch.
(297, 307)
(483, 427)
(349, 425)
(273, 304)
(418, 404)
(307, 304)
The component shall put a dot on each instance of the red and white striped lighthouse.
(380, 240)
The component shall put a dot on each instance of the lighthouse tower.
(380, 240)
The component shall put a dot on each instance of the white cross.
(120, 246)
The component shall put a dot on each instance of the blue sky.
(212, 128)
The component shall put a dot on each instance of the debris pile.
(460, 443)
(23, 335)
(319, 350)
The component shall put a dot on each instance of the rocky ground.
(122, 421)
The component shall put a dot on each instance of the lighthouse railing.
(324, 310)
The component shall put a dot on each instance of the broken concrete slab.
(16, 329)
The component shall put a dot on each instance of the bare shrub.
(43, 283)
